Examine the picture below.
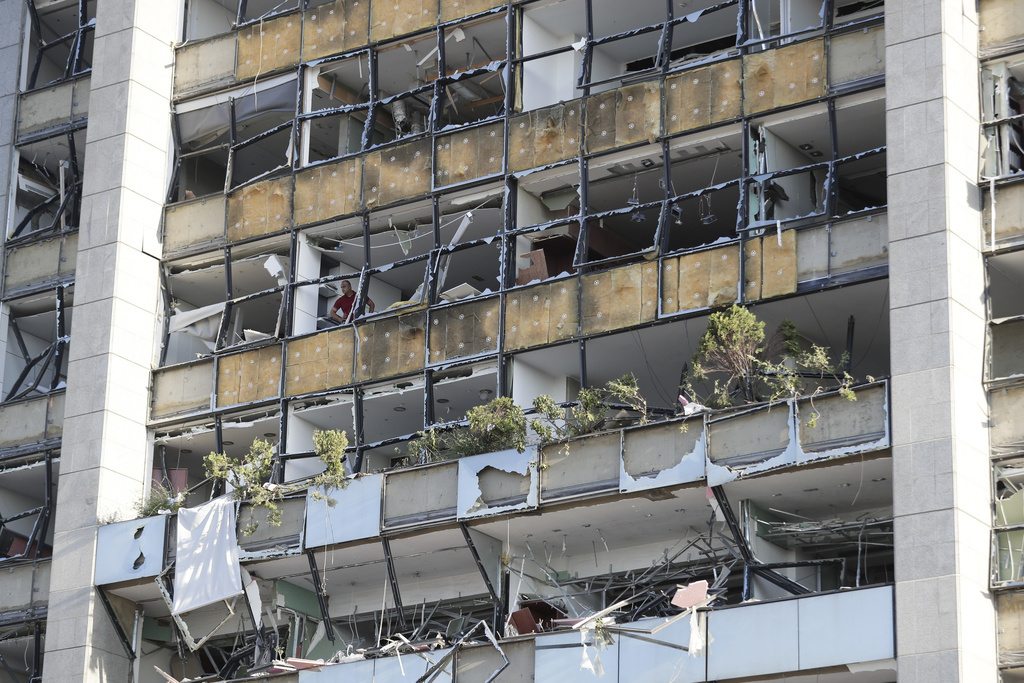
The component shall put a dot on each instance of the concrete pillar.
(944, 611)
(104, 459)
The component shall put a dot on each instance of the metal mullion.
(19, 339)
(357, 425)
(265, 134)
(61, 349)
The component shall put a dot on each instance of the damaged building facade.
(524, 198)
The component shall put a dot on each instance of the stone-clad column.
(944, 612)
(104, 458)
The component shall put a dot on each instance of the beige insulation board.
(620, 297)
(204, 66)
(703, 96)
(670, 286)
(182, 389)
(420, 491)
(497, 486)
(25, 422)
(623, 116)
(389, 19)
(193, 223)
(306, 362)
(856, 55)
(456, 9)
(391, 346)
(1009, 210)
(469, 154)
(563, 469)
(463, 330)
(783, 76)
(396, 173)
(778, 265)
(1000, 21)
(545, 136)
(260, 208)
(267, 46)
(248, 376)
(1010, 617)
(541, 314)
(40, 262)
(1006, 405)
(334, 27)
(723, 275)
(328, 191)
(53, 106)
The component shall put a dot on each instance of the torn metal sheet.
(130, 550)
(206, 555)
(497, 482)
(658, 455)
(727, 461)
(355, 515)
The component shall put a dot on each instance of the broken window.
(702, 32)
(21, 649)
(335, 411)
(771, 18)
(29, 487)
(338, 105)
(549, 68)
(248, 130)
(473, 83)
(179, 451)
(846, 11)
(1005, 352)
(704, 179)
(38, 333)
(328, 256)
(391, 412)
(212, 306)
(61, 41)
(625, 196)
(457, 389)
(1002, 98)
(48, 195)
(1008, 563)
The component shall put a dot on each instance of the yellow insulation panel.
(306, 365)
(397, 173)
(694, 275)
(323, 361)
(724, 276)
(248, 376)
(474, 153)
(612, 299)
(391, 346)
(182, 389)
(260, 208)
(623, 116)
(752, 275)
(779, 265)
(541, 314)
(456, 9)
(334, 28)
(670, 286)
(268, 46)
(328, 191)
(545, 136)
(703, 96)
(195, 222)
(389, 19)
(463, 330)
(787, 75)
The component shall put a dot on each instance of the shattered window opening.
(60, 41)
(49, 186)
(38, 334)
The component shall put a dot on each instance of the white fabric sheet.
(206, 568)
